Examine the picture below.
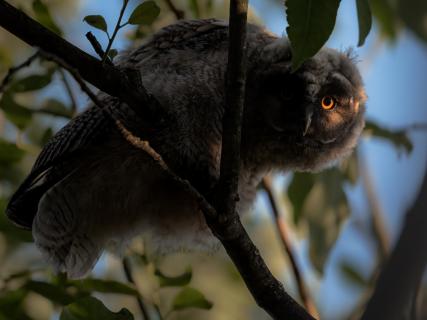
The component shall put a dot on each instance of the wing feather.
(55, 162)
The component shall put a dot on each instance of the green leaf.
(44, 17)
(399, 138)
(353, 275)
(11, 305)
(46, 136)
(364, 16)
(386, 17)
(145, 13)
(12, 299)
(350, 168)
(178, 281)
(90, 308)
(96, 21)
(112, 54)
(414, 13)
(190, 298)
(107, 286)
(19, 115)
(325, 209)
(51, 292)
(56, 108)
(9, 153)
(31, 83)
(310, 24)
(298, 190)
(195, 8)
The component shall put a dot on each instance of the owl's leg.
(61, 235)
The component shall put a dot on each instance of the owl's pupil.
(328, 102)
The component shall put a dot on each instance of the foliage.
(91, 308)
(310, 24)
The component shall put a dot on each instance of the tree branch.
(227, 195)
(283, 233)
(264, 287)
(179, 14)
(399, 279)
(128, 273)
(377, 214)
(267, 291)
(14, 70)
(69, 92)
(97, 47)
(103, 76)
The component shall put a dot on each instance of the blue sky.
(395, 76)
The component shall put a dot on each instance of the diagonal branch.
(103, 76)
(179, 14)
(14, 70)
(267, 291)
(283, 233)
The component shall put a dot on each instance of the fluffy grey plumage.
(89, 186)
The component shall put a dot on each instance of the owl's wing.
(56, 159)
(53, 163)
(196, 35)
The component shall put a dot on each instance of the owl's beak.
(308, 116)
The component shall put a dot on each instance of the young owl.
(90, 187)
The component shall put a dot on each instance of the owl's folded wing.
(53, 163)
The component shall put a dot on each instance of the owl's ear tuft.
(277, 51)
(351, 54)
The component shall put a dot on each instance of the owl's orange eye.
(328, 102)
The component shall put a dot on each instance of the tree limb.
(14, 70)
(283, 233)
(227, 195)
(267, 291)
(103, 76)
(377, 212)
(399, 279)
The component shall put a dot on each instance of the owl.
(90, 188)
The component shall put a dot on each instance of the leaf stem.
(116, 29)
(128, 273)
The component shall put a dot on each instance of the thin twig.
(415, 127)
(97, 47)
(128, 273)
(283, 233)
(116, 29)
(179, 14)
(11, 72)
(378, 225)
(76, 75)
(69, 92)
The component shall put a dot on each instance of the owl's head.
(306, 119)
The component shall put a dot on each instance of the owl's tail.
(60, 234)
